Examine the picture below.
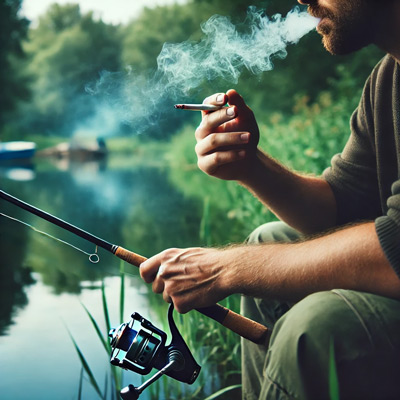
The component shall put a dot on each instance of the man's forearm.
(304, 202)
(351, 258)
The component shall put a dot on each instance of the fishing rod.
(237, 323)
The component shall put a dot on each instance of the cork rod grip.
(129, 256)
(246, 328)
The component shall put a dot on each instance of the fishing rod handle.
(129, 256)
(244, 327)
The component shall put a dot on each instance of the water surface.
(43, 283)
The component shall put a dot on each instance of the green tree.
(13, 30)
(67, 50)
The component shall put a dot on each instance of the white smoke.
(224, 52)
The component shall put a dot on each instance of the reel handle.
(244, 327)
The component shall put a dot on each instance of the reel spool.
(143, 349)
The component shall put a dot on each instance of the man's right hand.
(227, 139)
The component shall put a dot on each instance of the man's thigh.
(357, 332)
(362, 329)
(264, 311)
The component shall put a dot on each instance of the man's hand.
(190, 278)
(227, 139)
(351, 258)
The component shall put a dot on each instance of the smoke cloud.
(224, 52)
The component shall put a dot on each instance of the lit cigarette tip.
(197, 107)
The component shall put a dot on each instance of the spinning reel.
(145, 349)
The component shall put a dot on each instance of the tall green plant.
(115, 373)
(333, 376)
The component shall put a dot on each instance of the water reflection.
(134, 208)
(13, 277)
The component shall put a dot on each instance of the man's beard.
(347, 30)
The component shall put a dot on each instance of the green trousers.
(340, 338)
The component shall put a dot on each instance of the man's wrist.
(253, 171)
(236, 273)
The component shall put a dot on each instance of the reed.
(87, 369)
(114, 376)
(333, 376)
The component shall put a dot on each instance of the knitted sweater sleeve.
(352, 174)
(388, 229)
(365, 176)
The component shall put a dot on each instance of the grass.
(114, 377)
(333, 376)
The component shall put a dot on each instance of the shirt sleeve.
(352, 174)
(388, 229)
(365, 176)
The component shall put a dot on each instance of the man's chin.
(341, 39)
(324, 26)
(337, 48)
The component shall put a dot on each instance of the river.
(45, 284)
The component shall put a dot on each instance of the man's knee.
(299, 348)
(320, 331)
(276, 231)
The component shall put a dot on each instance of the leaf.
(122, 291)
(80, 385)
(105, 307)
(333, 377)
(105, 385)
(86, 367)
(104, 342)
(222, 391)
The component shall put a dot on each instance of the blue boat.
(17, 150)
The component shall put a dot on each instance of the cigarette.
(197, 107)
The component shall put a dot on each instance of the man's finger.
(217, 140)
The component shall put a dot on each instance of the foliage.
(239, 7)
(66, 51)
(175, 23)
(13, 30)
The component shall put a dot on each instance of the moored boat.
(16, 150)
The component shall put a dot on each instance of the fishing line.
(93, 257)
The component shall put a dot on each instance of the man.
(343, 273)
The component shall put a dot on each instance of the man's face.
(346, 25)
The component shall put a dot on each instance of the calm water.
(43, 282)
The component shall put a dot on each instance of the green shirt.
(365, 177)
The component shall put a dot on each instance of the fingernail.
(241, 153)
(230, 111)
(220, 98)
(244, 137)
